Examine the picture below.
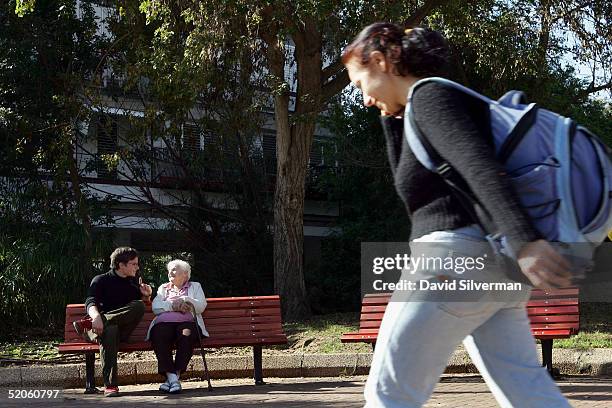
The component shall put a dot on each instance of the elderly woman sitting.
(174, 324)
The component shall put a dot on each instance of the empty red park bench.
(553, 314)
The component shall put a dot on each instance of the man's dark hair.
(122, 255)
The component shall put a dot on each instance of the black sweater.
(110, 291)
(457, 126)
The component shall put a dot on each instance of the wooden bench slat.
(273, 339)
(242, 304)
(566, 292)
(268, 340)
(375, 295)
(236, 330)
(373, 309)
(215, 336)
(358, 338)
(369, 324)
(240, 298)
(367, 331)
(211, 313)
(549, 334)
(209, 322)
(242, 313)
(371, 317)
(226, 321)
(244, 327)
(553, 302)
(382, 300)
(554, 319)
(545, 326)
(555, 310)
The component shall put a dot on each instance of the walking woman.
(417, 337)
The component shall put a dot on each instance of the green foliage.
(370, 208)
(153, 267)
(40, 273)
(22, 7)
(496, 46)
(47, 252)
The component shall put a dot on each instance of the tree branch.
(594, 89)
(334, 86)
(331, 70)
(341, 80)
(419, 15)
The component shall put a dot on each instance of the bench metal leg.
(547, 346)
(90, 379)
(257, 366)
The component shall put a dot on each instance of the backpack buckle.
(444, 169)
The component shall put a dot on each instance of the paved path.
(452, 391)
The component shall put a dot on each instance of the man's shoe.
(83, 329)
(111, 391)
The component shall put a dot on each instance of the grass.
(321, 334)
(43, 350)
(585, 341)
(595, 328)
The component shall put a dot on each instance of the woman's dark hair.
(418, 51)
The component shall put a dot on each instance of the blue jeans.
(417, 338)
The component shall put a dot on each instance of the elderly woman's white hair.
(179, 264)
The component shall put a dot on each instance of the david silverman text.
(446, 285)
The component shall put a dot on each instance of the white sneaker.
(165, 387)
(175, 387)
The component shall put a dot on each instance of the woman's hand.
(185, 307)
(543, 266)
(177, 305)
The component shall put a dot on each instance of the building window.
(191, 140)
(106, 129)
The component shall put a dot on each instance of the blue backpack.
(561, 172)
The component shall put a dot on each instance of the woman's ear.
(379, 60)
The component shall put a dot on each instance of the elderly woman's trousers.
(165, 336)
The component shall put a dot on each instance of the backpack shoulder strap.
(448, 83)
(433, 161)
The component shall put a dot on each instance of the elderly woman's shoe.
(165, 387)
(175, 387)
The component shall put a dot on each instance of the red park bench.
(231, 322)
(553, 315)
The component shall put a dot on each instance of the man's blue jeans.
(417, 337)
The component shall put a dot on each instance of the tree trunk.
(544, 36)
(293, 141)
(289, 233)
(294, 136)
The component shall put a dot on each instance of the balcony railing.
(168, 170)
